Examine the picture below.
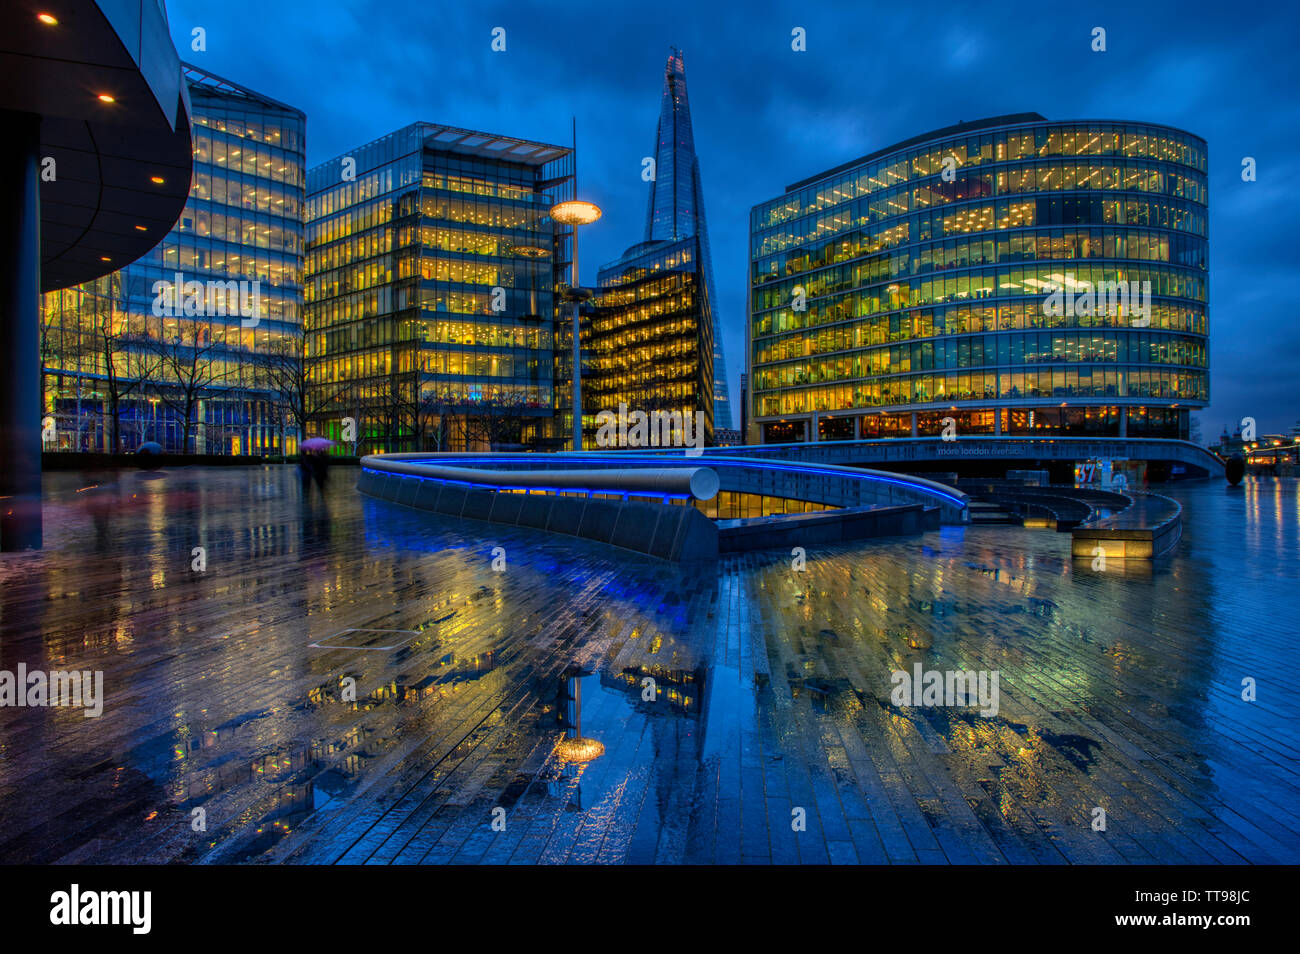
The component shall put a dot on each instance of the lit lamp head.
(575, 212)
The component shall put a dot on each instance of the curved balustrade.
(829, 484)
(866, 502)
(699, 483)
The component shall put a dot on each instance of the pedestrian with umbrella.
(316, 461)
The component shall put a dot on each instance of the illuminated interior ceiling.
(106, 83)
(487, 146)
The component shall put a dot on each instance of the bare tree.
(51, 341)
(414, 417)
(434, 420)
(283, 371)
(337, 400)
(398, 414)
(502, 421)
(114, 352)
(496, 422)
(190, 362)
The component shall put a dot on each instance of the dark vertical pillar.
(20, 353)
(744, 409)
(577, 351)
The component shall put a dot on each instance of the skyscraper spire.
(676, 206)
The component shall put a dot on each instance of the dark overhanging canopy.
(121, 169)
(94, 172)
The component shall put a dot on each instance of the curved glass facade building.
(161, 350)
(1020, 276)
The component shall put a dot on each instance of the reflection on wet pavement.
(351, 681)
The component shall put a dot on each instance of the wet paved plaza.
(352, 681)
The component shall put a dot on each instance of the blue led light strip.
(554, 490)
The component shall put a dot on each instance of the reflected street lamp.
(575, 748)
(576, 212)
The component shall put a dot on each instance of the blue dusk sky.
(766, 116)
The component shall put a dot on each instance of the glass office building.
(651, 334)
(653, 331)
(178, 347)
(431, 313)
(1020, 276)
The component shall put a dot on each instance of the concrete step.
(994, 517)
(983, 511)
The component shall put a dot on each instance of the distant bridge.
(902, 452)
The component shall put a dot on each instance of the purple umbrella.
(316, 443)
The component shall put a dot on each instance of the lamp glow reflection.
(574, 748)
(578, 749)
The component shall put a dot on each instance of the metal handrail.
(701, 483)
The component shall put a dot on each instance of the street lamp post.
(575, 212)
